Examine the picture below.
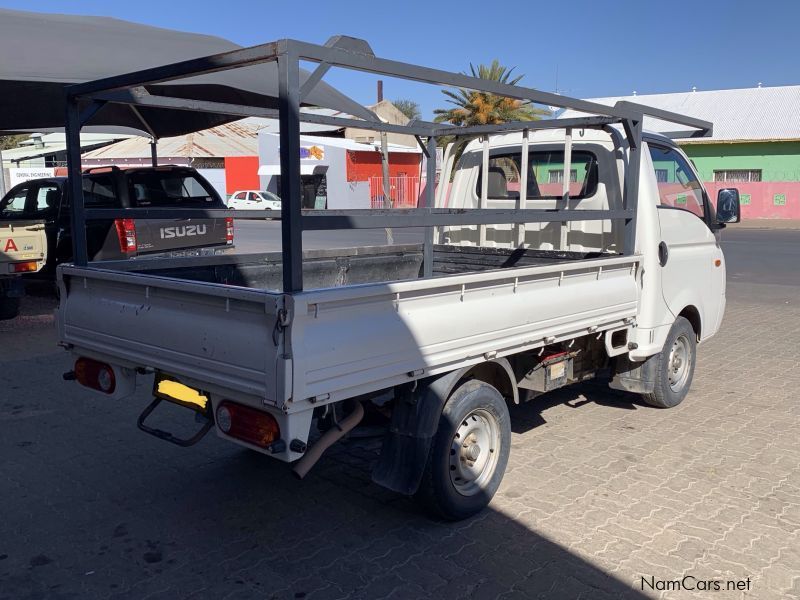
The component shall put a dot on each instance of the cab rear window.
(98, 192)
(545, 175)
(156, 188)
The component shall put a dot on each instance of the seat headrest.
(51, 198)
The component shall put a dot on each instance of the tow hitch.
(207, 422)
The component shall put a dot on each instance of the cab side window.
(253, 197)
(14, 205)
(677, 185)
(98, 191)
(47, 197)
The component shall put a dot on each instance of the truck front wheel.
(469, 452)
(675, 366)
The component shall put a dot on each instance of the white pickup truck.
(23, 249)
(498, 315)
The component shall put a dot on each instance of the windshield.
(167, 188)
(269, 196)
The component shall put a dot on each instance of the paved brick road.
(600, 492)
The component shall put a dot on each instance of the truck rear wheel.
(469, 452)
(675, 366)
(9, 307)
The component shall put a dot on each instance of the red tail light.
(229, 230)
(96, 375)
(29, 266)
(247, 424)
(126, 232)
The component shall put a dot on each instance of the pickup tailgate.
(22, 241)
(165, 236)
(218, 336)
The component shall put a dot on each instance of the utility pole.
(2, 177)
(387, 198)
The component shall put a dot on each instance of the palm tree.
(482, 108)
(408, 107)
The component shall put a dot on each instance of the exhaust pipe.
(328, 439)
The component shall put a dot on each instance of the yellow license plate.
(169, 389)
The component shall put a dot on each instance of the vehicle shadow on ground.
(529, 415)
(110, 510)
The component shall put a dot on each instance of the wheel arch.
(691, 314)
(415, 419)
(497, 373)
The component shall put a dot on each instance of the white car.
(255, 200)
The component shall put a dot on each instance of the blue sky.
(604, 48)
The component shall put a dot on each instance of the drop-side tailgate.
(162, 236)
(21, 241)
(218, 336)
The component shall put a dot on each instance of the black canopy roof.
(41, 53)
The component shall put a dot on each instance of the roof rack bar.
(196, 66)
(140, 97)
(575, 122)
(381, 66)
(339, 57)
(666, 115)
(371, 218)
(322, 220)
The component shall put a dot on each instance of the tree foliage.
(471, 107)
(408, 107)
(10, 141)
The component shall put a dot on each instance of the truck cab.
(38, 213)
(677, 228)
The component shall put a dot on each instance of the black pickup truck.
(47, 201)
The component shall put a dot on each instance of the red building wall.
(363, 165)
(241, 173)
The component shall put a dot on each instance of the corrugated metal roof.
(766, 113)
(53, 144)
(233, 139)
(349, 144)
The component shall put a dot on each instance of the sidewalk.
(768, 224)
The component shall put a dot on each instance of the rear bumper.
(188, 252)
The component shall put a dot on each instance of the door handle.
(663, 253)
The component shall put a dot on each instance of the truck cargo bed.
(208, 324)
(343, 266)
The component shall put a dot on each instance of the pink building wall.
(763, 200)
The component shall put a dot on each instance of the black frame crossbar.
(85, 100)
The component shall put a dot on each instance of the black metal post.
(430, 199)
(291, 201)
(72, 130)
(153, 152)
(633, 131)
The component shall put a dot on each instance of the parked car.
(38, 213)
(255, 200)
(23, 247)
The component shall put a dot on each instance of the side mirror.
(728, 210)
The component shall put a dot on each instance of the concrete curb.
(768, 224)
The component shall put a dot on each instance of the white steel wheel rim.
(678, 366)
(474, 452)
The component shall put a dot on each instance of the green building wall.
(778, 161)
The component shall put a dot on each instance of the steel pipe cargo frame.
(353, 54)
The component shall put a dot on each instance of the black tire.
(443, 492)
(9, 307)
(672, 380)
